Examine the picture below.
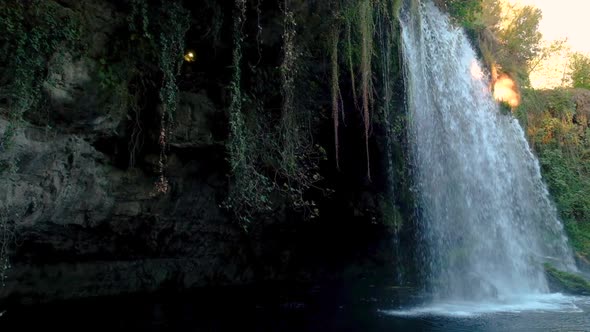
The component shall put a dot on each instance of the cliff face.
(79, 224)
(81, 215)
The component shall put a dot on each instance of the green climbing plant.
(138, 20)
(249, 190)
(335, 90)
(33, 32)
(358, 19)
(364, 46)
(174, 23)
(6, 239)
(157, 31)
(366, 27)
(288, 74)
(273, 159)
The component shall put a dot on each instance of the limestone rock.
(193, 121)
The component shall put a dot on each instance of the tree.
(580, 70)
(520, 38)
(465, 11)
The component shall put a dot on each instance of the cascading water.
(487, 220)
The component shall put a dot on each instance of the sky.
(565, 18)
(561, 19)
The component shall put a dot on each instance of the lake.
(334, 307)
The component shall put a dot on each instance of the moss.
(505, 108)
(391, 216)
(567, 282)
(397, 7)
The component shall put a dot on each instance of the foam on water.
(533, 303)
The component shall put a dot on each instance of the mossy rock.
(566, 282)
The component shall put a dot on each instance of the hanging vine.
(33, 31)
(271, 152)
(236, 121)
(349, 51)
(358, 21)
(139, 14)
(288, 73)
(6, 239)
(250, 189)
(298, 155)
(335, 90)
(173, 27)
(366, 29)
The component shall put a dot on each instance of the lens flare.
(190, 56)
(506, 90)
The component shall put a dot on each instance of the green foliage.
(364, 22)
(273, 159)
(250, 190)
(580, 70)
(568, 282)
(364, 48)
(391, 216)
(521, 38)
(139, 16)
(33, 32)
(560, 137)
(466, 12)
(366, 27)
(505, 108)
(107, 75)
(157, 32)
(507, 39)
(289, 128)
(174, 22)
(570, 185)
(335, 91)
(237, 144)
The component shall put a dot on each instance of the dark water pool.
(298, 308)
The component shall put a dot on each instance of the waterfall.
(487, 222)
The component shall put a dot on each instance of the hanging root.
(335, 92)
(350, 62)
(288, 120)
(366, 27)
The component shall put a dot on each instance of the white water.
(537, 303)
(487, 221)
